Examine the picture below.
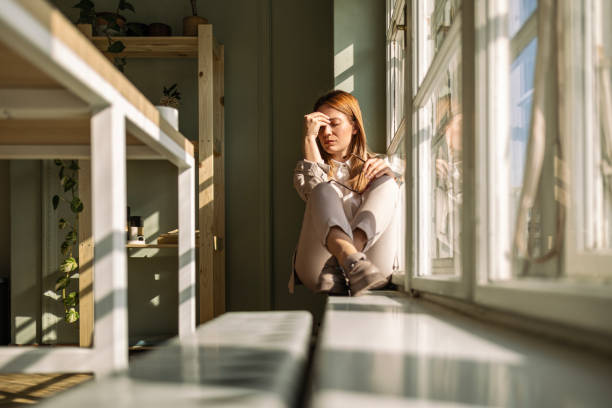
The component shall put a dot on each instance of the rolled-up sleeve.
(307, 175)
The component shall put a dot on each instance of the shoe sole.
(366, 283)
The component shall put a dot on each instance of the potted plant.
(106, 24)
(190, 23)
(168, 105)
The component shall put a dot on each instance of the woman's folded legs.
(326, 231)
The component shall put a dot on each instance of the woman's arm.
(312, 124)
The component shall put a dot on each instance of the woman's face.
(336, 138)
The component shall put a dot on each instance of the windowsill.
(387, 349)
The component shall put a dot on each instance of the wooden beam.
(40, 104)
(75, 152)
(50, 132)
(18, 72)
(151, 47)
(86, 258)
(219, 185)
(206, 171)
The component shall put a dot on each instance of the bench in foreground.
(239, 359)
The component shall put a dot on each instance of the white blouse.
(308, 174)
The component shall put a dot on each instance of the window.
(513, 209)
(436, 148)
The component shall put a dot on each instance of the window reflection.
(519, 13)
(522, 74)
(446, 171)
(442, 18)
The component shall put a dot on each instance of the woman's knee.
(324, 190)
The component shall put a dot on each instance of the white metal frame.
(113, 115)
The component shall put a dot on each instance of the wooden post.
(186, 243)
(86, 258)
(219, 183)
(206, 170)
(109, 215)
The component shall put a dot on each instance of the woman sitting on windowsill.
(348, 242)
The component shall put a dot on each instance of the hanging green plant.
(69, 265)
(88, 15)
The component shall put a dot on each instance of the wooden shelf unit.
(210, 150)
(152, 47)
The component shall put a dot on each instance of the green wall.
(279, 57)
(302, 70)
(359, 61)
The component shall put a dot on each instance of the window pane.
(397, 79)
(442, 17)
(520, 11)
(433, 19)
(522, 74)
(443, 183)
(602, 154)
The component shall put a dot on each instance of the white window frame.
(564, 300)
(585, 180)
(486, 265)
(427, 76)
(396, 132)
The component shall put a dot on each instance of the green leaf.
(62, 223)
(55, 201)
(112, 26)
(70, 184)
(124, 5)
(74, 165)
(70, 264)
(119, 63)
(61, 172)
(58, 162)
(65, 248)
(76, 205)
(116, 47)
(61, 283)
(71, 299)
(72, 315)
(71, 236)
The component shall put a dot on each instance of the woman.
(347, 243)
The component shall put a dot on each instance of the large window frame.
(575, 288)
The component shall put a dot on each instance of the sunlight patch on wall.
(25, 330)
(343, 61)
(348, 85)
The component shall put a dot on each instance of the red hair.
(346, 103)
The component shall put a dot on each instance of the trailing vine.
(87, 15)
(69, 266)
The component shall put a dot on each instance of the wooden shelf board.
(152, 47)
(151, 246)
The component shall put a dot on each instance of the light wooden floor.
(21, 390)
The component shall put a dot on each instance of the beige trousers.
(375, 217)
